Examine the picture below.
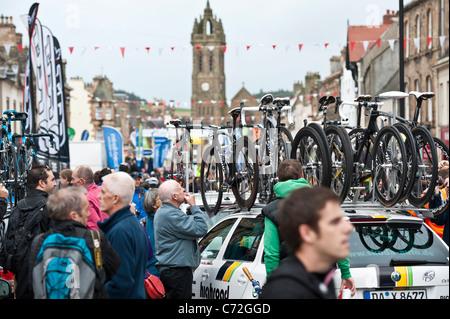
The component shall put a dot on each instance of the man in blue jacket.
(176, 235)
(126, 235)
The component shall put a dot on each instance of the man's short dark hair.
(38, 172)
(289, 169)
(303, 206)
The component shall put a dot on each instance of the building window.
(99, 134)
(406, 103)
(98, 113)
(210, 62)
(209, 28)
(200, 62)
(429, 101)
(430, 30)
(417, 33)
(108, 115)
(407, 39)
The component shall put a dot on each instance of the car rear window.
(395, 245)
(245, 240)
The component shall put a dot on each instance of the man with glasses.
(28, 219)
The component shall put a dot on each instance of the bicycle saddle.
(363, 98)
(393, 95)
(281, 101)
(267, 99)
(175, 122)
(323, 100)
(235, 112)
(9, 112)
(422, 95)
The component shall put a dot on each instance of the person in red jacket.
(83, 176)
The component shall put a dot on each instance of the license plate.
(396, 294)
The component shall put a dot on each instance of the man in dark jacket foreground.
(126, 235)
(316, 232)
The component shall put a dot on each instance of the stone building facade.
(426, 29)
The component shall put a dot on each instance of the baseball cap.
(135, 174)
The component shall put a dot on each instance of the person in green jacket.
(290, 178)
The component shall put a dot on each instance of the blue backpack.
(64, 267)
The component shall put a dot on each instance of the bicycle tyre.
(246, 180)
(389, 153)
(310, 150)
(338, 143)
(323, 136)
(362, 166)
(176, 166)
(442, 150)
(425, 173)
(411, 151)
(285, 143)
(211, 168)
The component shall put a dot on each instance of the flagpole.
(401, 57)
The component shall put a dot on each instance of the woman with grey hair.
(151, 205)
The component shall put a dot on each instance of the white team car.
(393, 256)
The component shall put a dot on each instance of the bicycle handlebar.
(287, 108)
(356, 104)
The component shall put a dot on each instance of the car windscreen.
(395, 245)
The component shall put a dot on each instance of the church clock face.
(205, 86)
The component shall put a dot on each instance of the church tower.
(208, 74)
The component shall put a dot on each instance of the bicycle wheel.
(284, 144)
(389, 168)
(427, 167)
(246, 179)
(327, 169)
(211, 180)
(311, 151)
(411, 158)
(341, 160)
(176, 166)
(442, 150)
(362, 164)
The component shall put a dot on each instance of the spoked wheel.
(390, 166)
(284, 144)
(211, 181)
(246, 181)
(411, 158)
(176, 166)
(311, 151)
(341, 160)
(442, 150)
(362, 165)
(427, 167)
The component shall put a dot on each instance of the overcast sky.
(162, 24)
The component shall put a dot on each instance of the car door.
(210, 246)
(226, 249)
(242, 251)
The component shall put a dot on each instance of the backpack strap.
(97, 249)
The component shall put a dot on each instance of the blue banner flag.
(113, 146)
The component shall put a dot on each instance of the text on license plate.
(396, 294)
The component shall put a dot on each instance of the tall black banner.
(64, 156)
(28, 97)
